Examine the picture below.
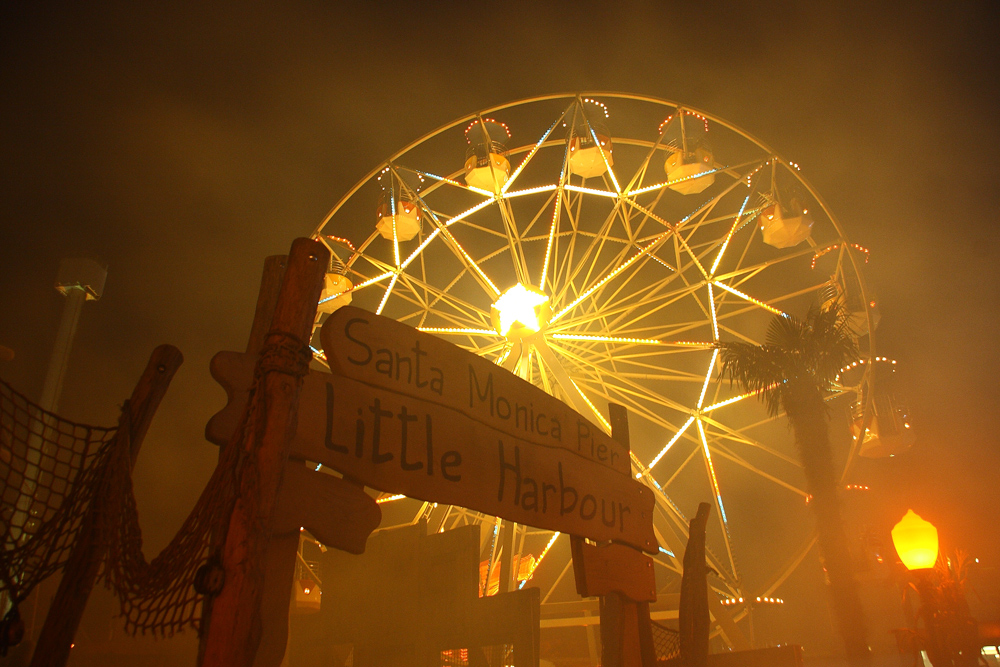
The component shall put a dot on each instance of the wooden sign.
(380, 351)
(336, 512)
(613, 568)
(399, 443)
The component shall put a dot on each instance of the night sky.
(183, 143)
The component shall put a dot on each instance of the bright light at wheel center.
(520, 311)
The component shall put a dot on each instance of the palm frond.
(810, 350)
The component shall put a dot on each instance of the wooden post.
(626, 630)
(81, 569)
(693, 618)
(235, 630)
(267, 299)
(508, 578)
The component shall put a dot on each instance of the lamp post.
(950, 633)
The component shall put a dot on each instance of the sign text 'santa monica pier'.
(381, 351)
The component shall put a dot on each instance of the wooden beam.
(228, 422)
(626, 630)
(235, 631)
(693, 615)
(80, 571)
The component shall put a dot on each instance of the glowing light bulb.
(518, 305)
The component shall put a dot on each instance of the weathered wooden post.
(623, 578)
(693, 616)
(336, 511)
(228, 421)
(81, 569)
(235, 629)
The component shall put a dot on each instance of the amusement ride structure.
(599, 245)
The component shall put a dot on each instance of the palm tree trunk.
(807, 414)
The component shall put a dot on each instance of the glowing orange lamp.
(916, 542)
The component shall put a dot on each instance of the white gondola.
(785, 228)
(486, 163)
(854, 303)
(889, 431)
(590, 145)
(690, 166)
(691, 172)
(398, 192)
(336, 290)
(406, 221)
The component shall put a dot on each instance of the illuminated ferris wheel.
(599, 245)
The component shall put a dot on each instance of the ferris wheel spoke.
(732, 456)
(534, 150)
(569, 388)
(646, 301)
(460, 253)
(460, 307)
(513, 242)
(742, 274)
(604, 357)
(637, 400)
(607, 339)
(483, 229)
(677, 237)
(526, 234)
(620, 295)
(593, 249)
(614, 272)
(739, 437)
(452, 182)
(723, 519)
(702, 218)
(729, 236)
(651, 395)
(556, 209)
(610, 352)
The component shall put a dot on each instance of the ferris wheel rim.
(833, 221)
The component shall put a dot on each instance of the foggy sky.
(183, 144)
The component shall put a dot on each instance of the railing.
(482, 150)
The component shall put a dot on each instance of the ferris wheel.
(599, 245)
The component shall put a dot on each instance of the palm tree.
(794, 371)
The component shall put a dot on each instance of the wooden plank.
(402, 444)
(616, 568)
(383, 352)
(80, 571)
(336, 512)
(234, 633)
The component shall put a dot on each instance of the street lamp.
(949, 633)
(916, 542)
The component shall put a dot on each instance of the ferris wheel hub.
(520, 312)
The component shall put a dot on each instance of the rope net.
(159, 596)
(48, 468)
(666, 642)
(62, 483)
